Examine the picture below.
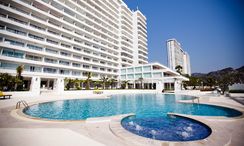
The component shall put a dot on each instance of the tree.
(19, 79)
(69, 83)
(77, 83)
(7, 82)
(104, 80)
(125, 84)
(88, 80)
(19, 71)
(112, 82)
(178, 69)
(225, 81)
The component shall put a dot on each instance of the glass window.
(123, 71)
(49, 70)
(8, 65)
(137, 76)
(130, 76)
(32, 57)
(147, 68)
(147, 75)
(157, 75)
(51, 51)
(34, 47)
(130, 70)
(12, 53)
(138, 69)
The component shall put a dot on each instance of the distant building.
(177, 56)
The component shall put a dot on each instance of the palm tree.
(125, 83)
(141, 81)
(19, 78)
(104, 80)
(19, 71)
(178, 69)
(88, 80)
(111, 82)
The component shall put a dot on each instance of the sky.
(211, 31)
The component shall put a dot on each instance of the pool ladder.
(21, 102)
(194, 99)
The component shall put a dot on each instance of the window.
(50, 60)
(49, 70)
(137, 76)
(16, 31)
(76, 73)
(157, 75)
(32, 57)
(64, 62)
(63, 72)
(86, 66)
(51, 51)
(130, 76)
(12, 53)
(147, 75)
(138, 69)
(130, 70)
(12, 42)
(147, 68)
(33, 47)
(123, 71)
(76, 64)
(35, 37)
(65, 54)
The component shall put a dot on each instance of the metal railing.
(23, 102)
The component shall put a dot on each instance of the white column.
(35, 85)
(177, 85)
(159, 86)
(59, 85)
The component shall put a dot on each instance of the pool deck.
(16, 129)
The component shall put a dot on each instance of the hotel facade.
(177, 56)
(57, 39)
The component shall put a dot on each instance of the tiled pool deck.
(16, 129)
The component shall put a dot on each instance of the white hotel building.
(55, 39)
(177, 56)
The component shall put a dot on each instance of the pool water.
(143, 105)
(151, 110)
(171, 128)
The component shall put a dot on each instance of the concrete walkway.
(43, 137)
(16, 130)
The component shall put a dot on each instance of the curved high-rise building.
(55, 39)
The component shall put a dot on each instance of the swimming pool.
(143, 105)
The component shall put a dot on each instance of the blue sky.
(211, 31)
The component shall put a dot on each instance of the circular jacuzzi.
(168, 128)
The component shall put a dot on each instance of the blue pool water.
(170, 128)
(151, 110)
(143, 105)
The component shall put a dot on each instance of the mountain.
(220, 72)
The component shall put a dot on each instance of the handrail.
(193, 99)
(18, 104)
